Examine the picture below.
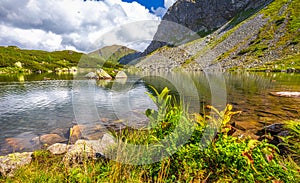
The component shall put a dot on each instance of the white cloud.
(169, 3)
(161, 11)
(65, 24)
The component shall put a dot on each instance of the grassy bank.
(225, 159)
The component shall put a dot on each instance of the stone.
(102, 74)
(11, 162)
(20, 143)
(91, 75)
(80, 151)
(50, 139)
(75, 133)
(274, 129)
(88, 149)
(58, 148)
(286, 94)
(121, 74)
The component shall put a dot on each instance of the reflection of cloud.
(53, 24)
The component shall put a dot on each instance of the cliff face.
(231, 34)
(200, 16)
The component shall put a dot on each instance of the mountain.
(112, 53)
(228, 34)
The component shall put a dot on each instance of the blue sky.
(148, 3)
(72, 24)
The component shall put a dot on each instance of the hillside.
(14, 59)
(255, 35)
(112, 55)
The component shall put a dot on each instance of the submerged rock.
(9, 163)
(88, 132)
(50, 139)
(21, 143)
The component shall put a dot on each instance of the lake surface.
(31, 106)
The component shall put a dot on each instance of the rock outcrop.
(200, 16)
(222, 35)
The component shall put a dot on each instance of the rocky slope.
(231, 34)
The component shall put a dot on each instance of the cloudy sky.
(77, 24)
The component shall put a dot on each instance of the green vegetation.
(284, 20)
(289, 64)
(35, 60)
(16, 60)
(225, 159)
(277, 39)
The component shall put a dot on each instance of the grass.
(16, 60)
(225, 159)
(292, 62)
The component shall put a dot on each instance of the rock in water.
(23, 142)
(50, 139)
(9, 163)
(102, 74)
(75, 133)
(92, 75)
(121, 74)
(286, 94)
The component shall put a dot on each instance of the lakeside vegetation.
(225, 159)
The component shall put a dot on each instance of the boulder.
(92, 75)
(88, 132)
(11, 162)
(23, 142)
(75, 133)
(102, 74)
(88, 149)
(59, 148)
(50, 139)
(121, 74)
(274, 129)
